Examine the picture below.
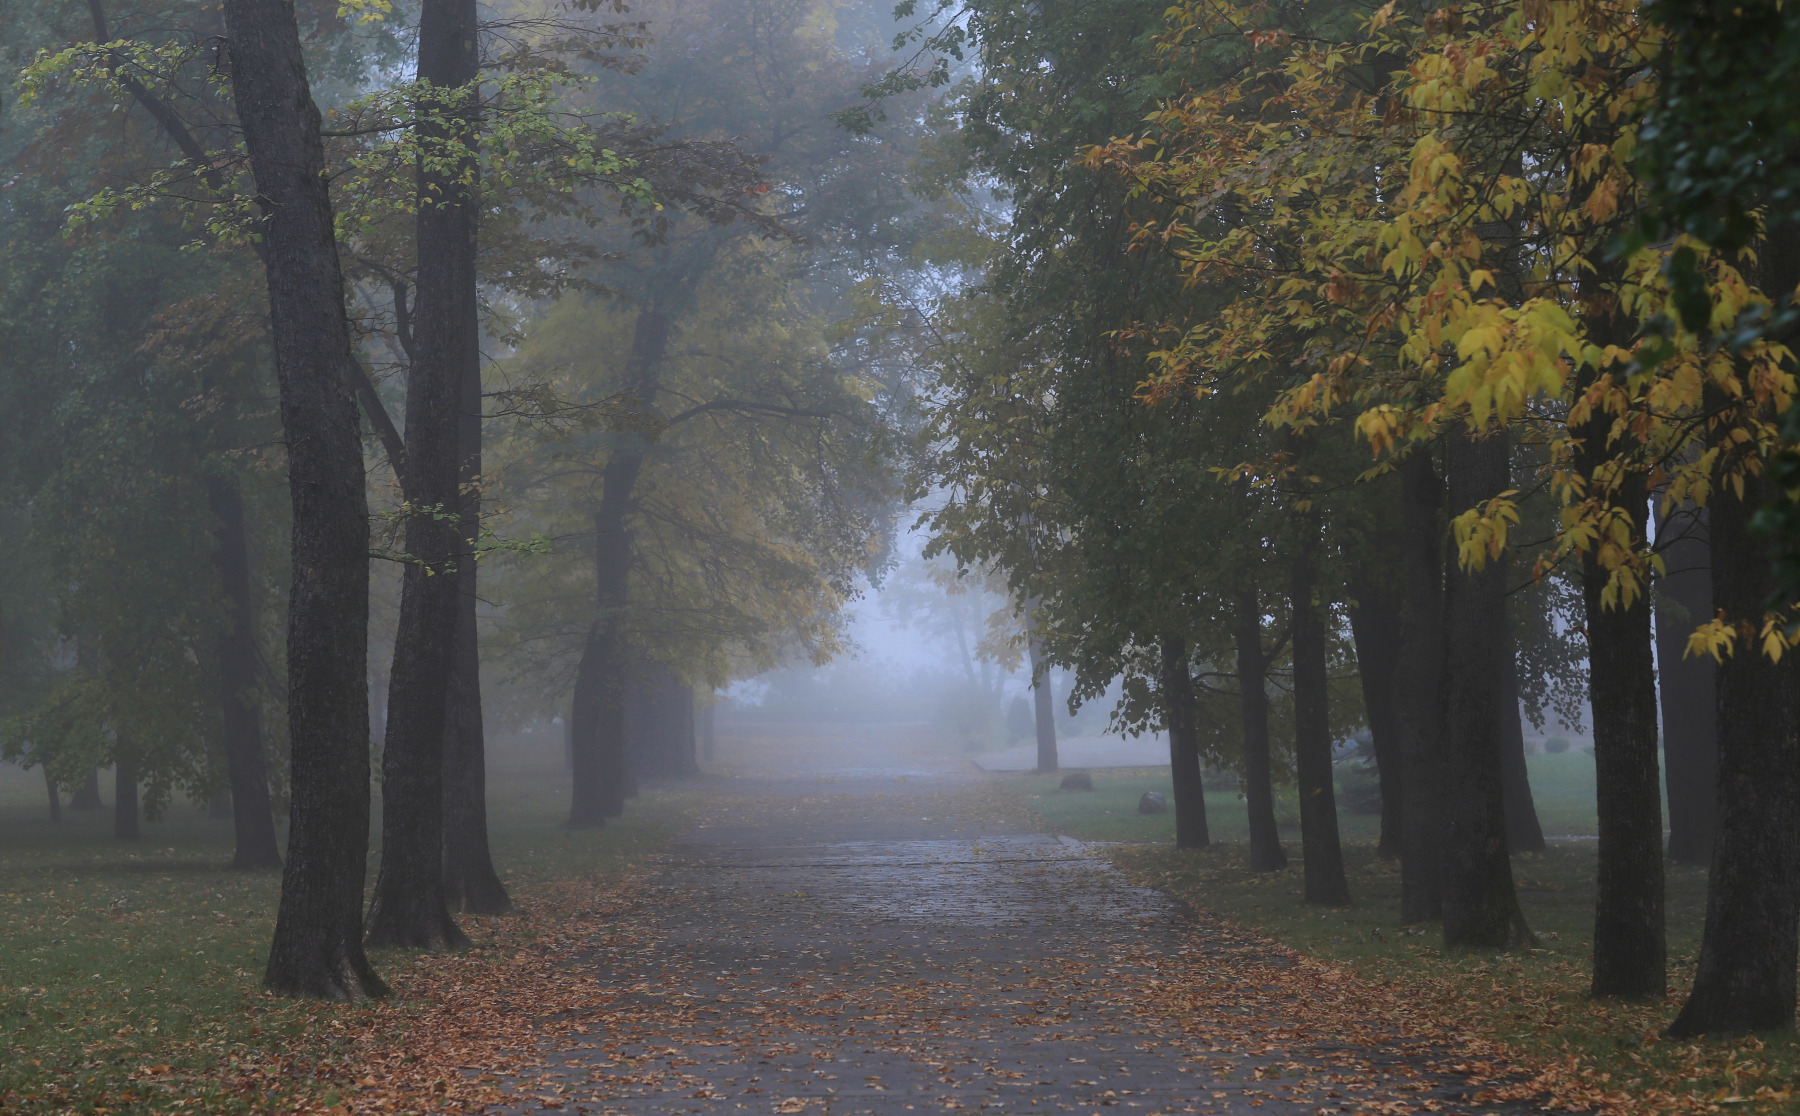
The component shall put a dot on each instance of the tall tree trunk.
(470, 881)
(1184, 745)
(1684, 601)
(1375, 629)
(613, 559)
(1523, 833)
(55, 796)
(253, 821)
(1320, 851)
(1481, 909)
(410, 907)
(685, 739)
(1043, 703)
(1266, 853)
(1418, 676)
(125, 792)
(317, 947)
(587, 809)
(709, 723)
(87, 795)
(1630, 958)
(1745, 978)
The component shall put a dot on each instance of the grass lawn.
(132, 972)
(1534, 1002)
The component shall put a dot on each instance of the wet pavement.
(860, 953)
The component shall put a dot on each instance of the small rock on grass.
(1077, 780)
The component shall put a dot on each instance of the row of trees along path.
(734, 472)
(1343, 309)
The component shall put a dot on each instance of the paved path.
(858, 956)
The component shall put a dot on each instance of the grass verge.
(1531, 1005)
(132, 972)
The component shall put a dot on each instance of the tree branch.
(745, 406)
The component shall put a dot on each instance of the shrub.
(1359, 787)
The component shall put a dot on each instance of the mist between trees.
(1275, 375)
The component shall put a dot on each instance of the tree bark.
(1266, 853)
(470, 881)
(1375, 630)
(709, 722)
(1523, 833)
(1630, 958)
(87, 795)
(1321, 853)
(587, 808)
(125, 792)
(1745, 978)
(1418, 674)
(1481, 909)
(1683, 601)
(317, 948)
(613, 561)
(410, 906)
(685, 737)
(1043, 702)
(253, 820)
(1184, 745)
(55, 796)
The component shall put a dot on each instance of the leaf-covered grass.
(1533, 1002)
(132, 971)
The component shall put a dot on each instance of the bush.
(1556, 745)
(1359, 788)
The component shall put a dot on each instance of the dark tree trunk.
(1184, 745)
(410, 907)
(317, 948)
(1630, 958)
(1266, 853)
(253, 821)
(87, 795)
(470, 881)
(612, 566)
(587, 799)
(1684, 601)
(1043, 702)
(685, 739)
(125, 793)
(55, 797)
(1523, 833)
(1320, 851)
(598, 710)
(1481, 909)
(612, 561)
(1745, 979)
(1418, 677)
(1375, 629)
(709, 723)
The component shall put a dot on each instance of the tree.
(409, 906)
(317, 948)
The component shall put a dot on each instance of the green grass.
(1535, 1000)
(123, 957)
(1562, 788)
